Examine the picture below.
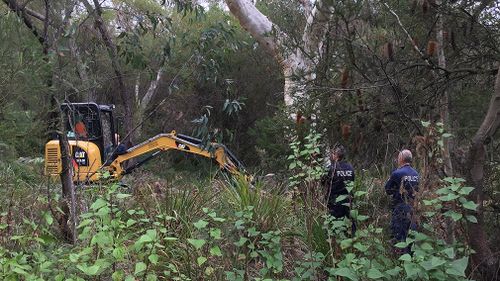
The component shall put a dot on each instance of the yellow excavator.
(95, 150)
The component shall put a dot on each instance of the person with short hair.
(402, 186)
(339, 174)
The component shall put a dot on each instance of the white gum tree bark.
(300, 60)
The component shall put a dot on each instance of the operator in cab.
(402, 186)
(80, 128)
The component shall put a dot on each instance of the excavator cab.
(92, 123)
(90, 131)
(91, 137)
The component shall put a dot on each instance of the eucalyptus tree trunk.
(145, 101)
(299, 60)
(444, 107)
(444, 113)
(484, 258)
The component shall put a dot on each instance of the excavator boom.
(173, 141)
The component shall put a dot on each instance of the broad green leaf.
(346, 243)
(359, 193)
(374, 273)
(442, 191)
(411, 269)
(197, 243)
(362, 217)
(401, 245)
(458, 267)
(144, 239)
(428, 202)
(152, 234)
(119, 253)
(122, 195)
(101, 239)
(139, 267)
(470, 205)
(405, 257)
(448, 197)
(73, 257)
(201, 260)
(345, 272)
(153, 258)
(450, 252)
(471, 218)
(215, 251)
(85, 222)
(215, 233)
(48, 218)
(89, 270)
(252, 231)
(466, 190)
(360, 247)
(118, 275)
(454, 215)
(209, 271)
(99, 203)
(435, 261)
(200, 224)
(393, 272)
(341, 197)
(130, 222)
(19, 270)
(241, 242)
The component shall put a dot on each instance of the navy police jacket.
(339, 174)
(405, 177)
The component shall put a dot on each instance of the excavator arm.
(173, 141)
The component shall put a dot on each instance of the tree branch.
(13, 6)
(113, 55)
(34, 14)
(491, 121)
(259, 26)
(316, 28)
(410, 39)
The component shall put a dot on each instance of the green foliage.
(306, 160)
(364, 256)
(22, 90)
(454, 195)
(249, 233)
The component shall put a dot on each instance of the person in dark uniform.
(339, 173)
(402, 186)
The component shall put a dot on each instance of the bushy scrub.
(229, 230)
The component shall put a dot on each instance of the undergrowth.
(216, 230)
